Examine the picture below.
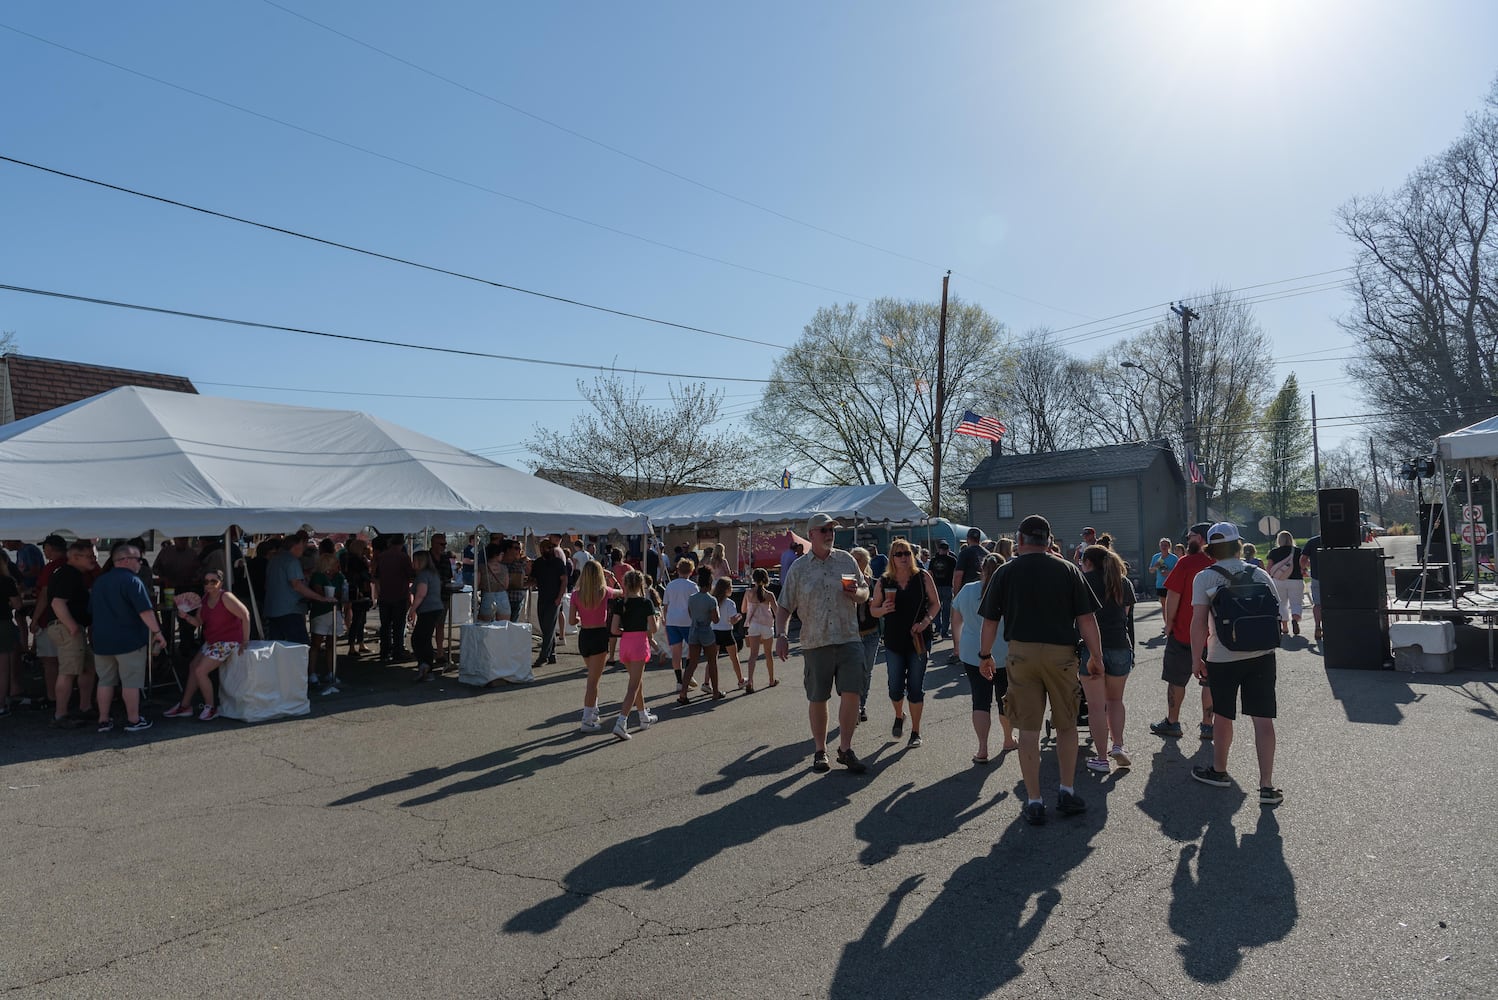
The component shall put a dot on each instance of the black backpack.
(1246, 612)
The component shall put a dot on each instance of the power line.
(389, 257)
(389, 158)
(160, 310)
(411, 395)
(635, 158)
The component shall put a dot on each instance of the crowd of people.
(1033, 627)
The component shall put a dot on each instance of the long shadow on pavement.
(661, 857)
(1241, 896)
(937, 953)
(910, 815)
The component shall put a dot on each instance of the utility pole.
(1188, 424)
(938, 423)
(1378, 499)
(1315, 444)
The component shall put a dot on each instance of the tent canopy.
(881, 502)
(1479, 441)
(134, 459)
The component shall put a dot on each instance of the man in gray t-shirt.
(824, 589)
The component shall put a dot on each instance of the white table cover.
(267, 680)
(495, 651)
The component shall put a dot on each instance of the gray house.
(1135, 492)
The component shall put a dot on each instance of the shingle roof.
(41, 384)
(1064, 466)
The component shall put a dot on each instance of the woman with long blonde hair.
(1108, 576)
(905, 597)
(590, 610)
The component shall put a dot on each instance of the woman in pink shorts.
(225, 622)
(636, 621)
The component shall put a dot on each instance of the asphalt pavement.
(428, 840)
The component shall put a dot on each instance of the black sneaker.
(850, 760)
(1208, 776)
(1035, 813)
(1165, 728)
(819, 762)
(551, 659)
(915, 739)
(1070, 804)
(106, 726)
(1270, 796)
(898, 728)
(863, 715)
(139, 725)
(67, 722)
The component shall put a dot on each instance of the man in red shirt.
(1178, 666)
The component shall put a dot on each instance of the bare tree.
(1036, 400)
(1426, 289)
(853, 400)
(628, 449)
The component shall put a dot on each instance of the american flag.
(987, 428)
(1193, 470)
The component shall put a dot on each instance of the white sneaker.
(1098, 764)
(313, 681)
(331, 689)
(648, 718)
(621, 728)
(1121, 757)
(590, 724)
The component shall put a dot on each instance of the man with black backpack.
(1235, 620)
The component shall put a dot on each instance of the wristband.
(985, 656)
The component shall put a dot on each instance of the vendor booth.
(739, 519)
(135, 459)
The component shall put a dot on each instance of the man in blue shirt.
(287, 593)
(878, 561)
(124, 624)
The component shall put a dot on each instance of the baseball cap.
(943, 544)
(820, 520)
(1200, 528)
(1036, 526)
(1222, 531)
(1089, 531)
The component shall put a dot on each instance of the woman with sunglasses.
(225, 622)
(905, 597)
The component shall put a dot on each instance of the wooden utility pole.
(1188, 423)
(1315, 444)
(938, 422)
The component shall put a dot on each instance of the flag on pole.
(987, 428)
(1193, 470)
(785, 479)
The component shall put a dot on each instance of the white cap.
(1223, 531)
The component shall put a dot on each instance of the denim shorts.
(678, 634)
(1116, 662)
(907, 676)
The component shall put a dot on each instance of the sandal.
(979, 759)
(719, 696)
(772, 684)
(683, 700)
(748, 688)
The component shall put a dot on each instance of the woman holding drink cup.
(330, 617)
(905, 597)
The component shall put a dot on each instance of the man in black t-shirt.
(549, 573)
(943, 567)
(969, 560)
(68, 597)
(1310, 565)
(1046, 606)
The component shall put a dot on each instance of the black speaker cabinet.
(1407, 582)
(1341, 519)
(1352, 579)
(1441, 535)
(1355, 640)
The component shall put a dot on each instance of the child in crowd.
(635, 622)
(759, 612)
(728, 617)
(703, 609)
(329, 620)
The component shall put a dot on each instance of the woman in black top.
(357, 575)
(906, 599)
(1107, 575)
(1284, 570)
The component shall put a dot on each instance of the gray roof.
(1079, 464)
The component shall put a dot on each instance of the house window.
(1100, 499)
(1006, 506)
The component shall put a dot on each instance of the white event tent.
(134, 459)
(880, 503)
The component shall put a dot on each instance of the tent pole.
(1450, 550)
(228, 564)
(1476, 562)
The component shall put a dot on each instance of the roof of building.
(37, 385)
(1077, 464)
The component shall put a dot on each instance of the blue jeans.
(907, 676)
(943, 621)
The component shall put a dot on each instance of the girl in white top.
(728, 617)
(759, 613)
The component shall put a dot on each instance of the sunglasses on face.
(900, 555)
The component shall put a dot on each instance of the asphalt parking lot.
(432, 840)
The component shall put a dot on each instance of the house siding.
(1149, 501)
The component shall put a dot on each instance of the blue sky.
(1069, 161)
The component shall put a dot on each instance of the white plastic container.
(1424, 647)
